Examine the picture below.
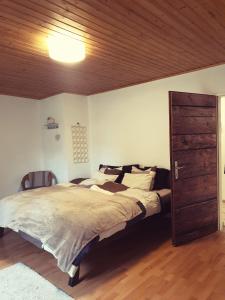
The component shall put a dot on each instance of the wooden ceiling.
(127, 42)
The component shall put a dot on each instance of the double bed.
(67, 220)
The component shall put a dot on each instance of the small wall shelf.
(51, 123)
(52, 126)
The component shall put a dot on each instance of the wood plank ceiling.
(127, 42)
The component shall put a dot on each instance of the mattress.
(165, 198)
(164, 201)
(165, 194)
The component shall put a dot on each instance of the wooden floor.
(143, 265)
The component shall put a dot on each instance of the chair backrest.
(34, 180)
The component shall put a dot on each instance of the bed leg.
(1, 232)
(75, 278)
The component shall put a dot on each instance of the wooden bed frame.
(74, 276)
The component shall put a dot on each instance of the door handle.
(177, 168)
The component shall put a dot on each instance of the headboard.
(162, 179)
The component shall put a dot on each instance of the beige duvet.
(65, 218)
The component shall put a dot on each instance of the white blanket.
(66, 218)
(149, 199)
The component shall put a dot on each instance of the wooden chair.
(34, 180)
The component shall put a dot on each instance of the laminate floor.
(142, 265)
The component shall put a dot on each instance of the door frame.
(220, 166)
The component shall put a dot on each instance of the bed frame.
(74, 274)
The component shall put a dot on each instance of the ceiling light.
(65, 49)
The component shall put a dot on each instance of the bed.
(57, 219)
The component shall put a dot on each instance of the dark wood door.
(193, 152)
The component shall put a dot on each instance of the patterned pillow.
(125, 169)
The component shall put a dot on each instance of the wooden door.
(193, 152)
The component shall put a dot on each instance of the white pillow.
(151, 170)
(142, 181)
(99, 176)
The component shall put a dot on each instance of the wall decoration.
(51, 123)
(80, 144)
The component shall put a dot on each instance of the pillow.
(113, 187)
(162, 177)
(99, 176)
(96, 188)
(140, 170)
(112, 171)
(142, 181)
(104, 167)
(126, 168)
(146, 170)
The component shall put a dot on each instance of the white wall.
(75, 110)
(54, 150)
(20, 136)
(131, 125)
(67, 109)
(26, 144)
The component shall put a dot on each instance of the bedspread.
(65, 218)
